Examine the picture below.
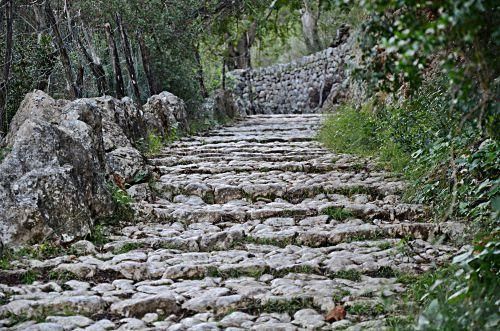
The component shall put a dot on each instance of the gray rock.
(70, 322)
(84, 247)
(141, 306)
(125, 162)
(45, 327)
(165, 114)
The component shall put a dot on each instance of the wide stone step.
(191, 145)
(214, 164)
(254, 186)
(319, 231)
(369, 257)
(196, 304)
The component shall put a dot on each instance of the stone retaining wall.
(300, 86)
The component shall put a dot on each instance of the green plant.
(385, 245)
(123, 210)
(350, 274)
(367, 308)
(29, 277)
(153, 144)
(98, 235)
(128, 247)
(60, 276)
(361, 132)
(3, 152)
(338, 213)
(281, 306)
(384, 272)
(469, 298)
(350, 131)
(338, 296)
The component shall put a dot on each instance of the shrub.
(469, 299)
(361, 132)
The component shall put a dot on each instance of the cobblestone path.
(255, 226)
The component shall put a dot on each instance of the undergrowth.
(453, 168)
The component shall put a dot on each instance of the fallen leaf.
(119, 181)
(336, 314)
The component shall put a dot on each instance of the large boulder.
(35, 105)
(126, 162)
(225, 107)
(52, 180)
(221, 107)
(123, 122)
(165, 114)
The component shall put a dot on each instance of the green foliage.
(120, 196)
(123, 212)
(438, 58)
(60, 276)
(281, 306)
(350, 274)
(367, 308)
(338, 213)
(338, 296)
(468, 297)
(29, 277)
(360, 132)
(128, 247)
(98, 235)
(3, 153)
(154, 144)
(350, 131)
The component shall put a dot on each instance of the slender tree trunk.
(73, 88)
(127, 51)
(4, 85)
(224, 73)
(146, 64)
(96, 68)
(310, 26)
(201, 81)
(240, 55)
(50, 59)
(115, 59)
(80, 75)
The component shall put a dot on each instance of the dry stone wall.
(300, 86)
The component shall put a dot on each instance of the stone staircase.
(255, 226)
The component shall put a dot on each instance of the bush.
(455, 173)
(468, 299)
(360, 132)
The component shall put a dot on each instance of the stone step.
(319, 231)
(192, 209)
(368, 257)
(293, 187)
(197, 304)
(232, 146)
(219, 163)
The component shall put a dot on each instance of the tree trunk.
(115, 59)
(127, 51)
(95, 66)
(4, 85)
(50, 59)
(201, 81)
(74, 91)
(310, 27)
(240, 55)
(224, 73)
(80, 75)
(146, 64)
